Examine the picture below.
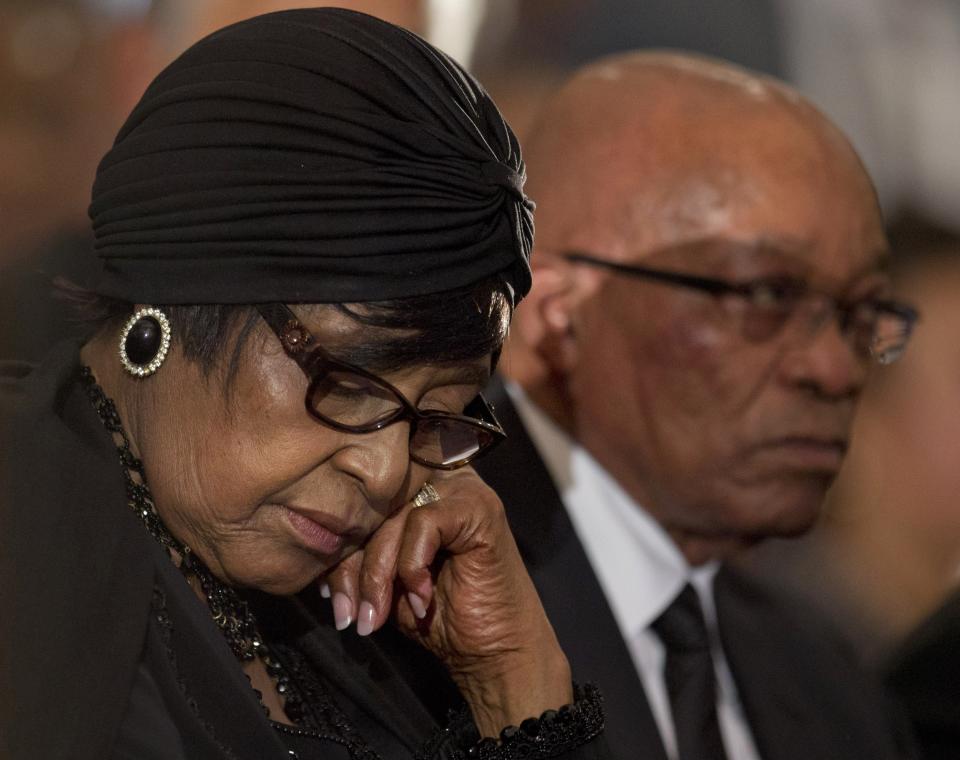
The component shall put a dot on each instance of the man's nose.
(824, 359)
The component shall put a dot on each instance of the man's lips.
(809, 452)
(320, 532)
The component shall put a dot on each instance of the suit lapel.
(568, 587)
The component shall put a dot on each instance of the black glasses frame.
(717, 287)
(315, 362)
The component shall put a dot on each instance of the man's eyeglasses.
(348, 398)
(876, 328)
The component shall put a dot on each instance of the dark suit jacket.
(803, 696)
(925, 674)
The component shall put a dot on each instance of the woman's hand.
(450, 574)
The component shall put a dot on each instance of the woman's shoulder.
(72, 568)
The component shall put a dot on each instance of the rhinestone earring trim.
(143, 370)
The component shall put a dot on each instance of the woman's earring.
(145, 341)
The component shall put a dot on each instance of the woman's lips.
(316, 536)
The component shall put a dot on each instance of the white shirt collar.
(637, 563)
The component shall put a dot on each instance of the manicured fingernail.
(417, 605)
(365, 619)
(325, 590)
(342, 610)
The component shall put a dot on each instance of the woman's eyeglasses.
(348, 398)
(876, 328)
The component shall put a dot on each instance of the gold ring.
(426, 495)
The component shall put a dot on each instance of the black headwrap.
(311, 156)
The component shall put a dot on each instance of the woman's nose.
(380, 461)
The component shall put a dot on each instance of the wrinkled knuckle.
(374, 586)
(418, 519)
(379, 566)
(407, 568)
(492, 504)
(345, 570)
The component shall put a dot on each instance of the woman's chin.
(281, 581)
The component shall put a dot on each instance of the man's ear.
(556, 304)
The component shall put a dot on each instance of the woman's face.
(265, 494)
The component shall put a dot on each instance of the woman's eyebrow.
(472, 374)
(460, 374)
(403, 354)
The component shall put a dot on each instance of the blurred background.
(888, 550)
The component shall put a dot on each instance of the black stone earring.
(145, 341)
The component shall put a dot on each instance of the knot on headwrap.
(311, 156)
(505, 176)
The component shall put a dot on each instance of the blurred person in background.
(191, 20)
(886, 551)
(708, 297)
(526, 48)
(923, 530)
(885, 72)
(70, 71)
(924, 674)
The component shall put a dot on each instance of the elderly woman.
(313, 232)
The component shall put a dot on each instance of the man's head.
(726, 423)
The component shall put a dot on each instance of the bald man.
(709, 294)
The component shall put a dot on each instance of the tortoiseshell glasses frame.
(349, 398)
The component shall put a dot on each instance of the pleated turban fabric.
(310, 156)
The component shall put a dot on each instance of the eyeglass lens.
(447, 441)
(351, 399)
(889, 337)
(873, 331)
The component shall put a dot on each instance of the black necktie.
(691, 682)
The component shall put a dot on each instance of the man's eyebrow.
(878, 264)
(879, 260)
(780, 246)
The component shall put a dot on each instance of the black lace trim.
(320, 718)
(552, 734)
